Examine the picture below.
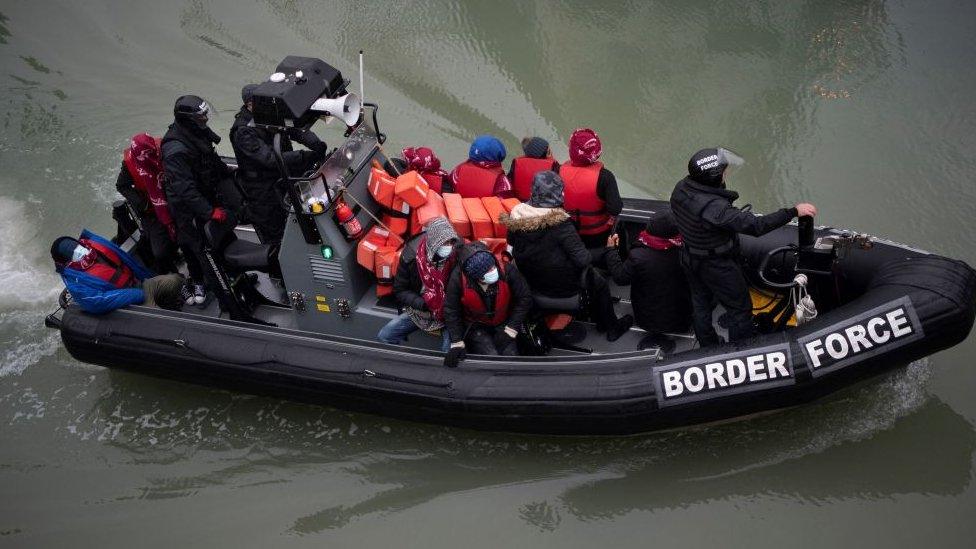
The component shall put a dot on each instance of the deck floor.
(594, 341)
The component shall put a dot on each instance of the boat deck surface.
(594, 341)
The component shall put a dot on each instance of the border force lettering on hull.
(723, 375)
(876, 331)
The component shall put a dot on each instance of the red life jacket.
(524, 169)
(141, 179)
(475, 309)
(473, 181)
(108, 266)
(434, 181)
(582, 203)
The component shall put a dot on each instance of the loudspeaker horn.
(345, 108)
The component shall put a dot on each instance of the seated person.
(592, 196)
(658, 287)
(140, 182)
(482, 173)
(551, 255)
(101, 277)
(537, 158)
(428, 166)
(420, 282)
(487, 301)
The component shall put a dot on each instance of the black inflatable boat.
(311, 336)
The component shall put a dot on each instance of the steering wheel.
(765, 263)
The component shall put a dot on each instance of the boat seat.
(569, 304)
(239, 255)
(242, 255)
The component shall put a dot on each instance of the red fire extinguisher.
(349, 222)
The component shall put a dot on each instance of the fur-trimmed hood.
(525, 218)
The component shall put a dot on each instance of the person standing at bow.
(710, 227)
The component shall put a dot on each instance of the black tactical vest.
(701, 238)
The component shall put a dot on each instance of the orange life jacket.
(108, 266)
(474, 307)
(434, 180)
(581, 202)
(524, 169)
(473, 181)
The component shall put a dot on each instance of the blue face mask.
(79, 253)
(490, 277)
(444, 251)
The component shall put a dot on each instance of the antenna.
(362, 94)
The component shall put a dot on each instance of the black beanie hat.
(662, 224)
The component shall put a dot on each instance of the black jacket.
(708, 220)
(127, 188)
(407, 284)
(549, 252)
(254, 150)
(193, 170)
(520, 299)
(659, 290)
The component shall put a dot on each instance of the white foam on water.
(28, 286)
(32, 343)
(26, 279)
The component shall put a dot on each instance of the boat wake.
(27, 289)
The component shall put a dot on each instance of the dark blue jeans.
(396, 331)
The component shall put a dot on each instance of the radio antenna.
(362, 93)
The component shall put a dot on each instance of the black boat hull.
(924, 303)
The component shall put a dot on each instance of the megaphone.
(345, 108)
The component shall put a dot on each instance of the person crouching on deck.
(101, 277)
(487, 301)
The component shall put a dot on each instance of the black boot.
(620, 327)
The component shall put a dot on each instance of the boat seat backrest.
(569, 304)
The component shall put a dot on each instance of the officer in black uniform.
(257, 167)
(199, 186)
(709, 225)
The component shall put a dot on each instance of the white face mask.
(79, 253)
(444, 251)
(491, 276)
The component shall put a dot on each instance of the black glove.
(502, 339)
(454, 355)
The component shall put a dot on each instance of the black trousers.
(480, 340)
(163, 249)
(718, 279)
(265, 210)
(601, 302)
(190, 235)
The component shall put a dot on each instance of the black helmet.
(707, 165)
(193, 109)
(247, 92)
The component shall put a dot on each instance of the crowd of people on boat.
(562, 243)
(562, 238)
